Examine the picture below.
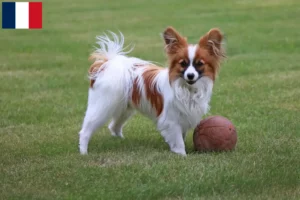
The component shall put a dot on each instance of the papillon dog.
(175, 98)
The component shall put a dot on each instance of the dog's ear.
(212, 41)
(173, 40)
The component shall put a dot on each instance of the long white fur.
(111, 48)
(110, 97)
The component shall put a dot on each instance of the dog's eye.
(198, 63)
(184, 63)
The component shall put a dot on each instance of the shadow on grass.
(146, 143)
(108, 143)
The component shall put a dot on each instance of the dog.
(175, 98)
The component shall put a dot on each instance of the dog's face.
(192, 62)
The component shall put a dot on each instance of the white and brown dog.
(175, 98)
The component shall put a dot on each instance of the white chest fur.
(192, 102)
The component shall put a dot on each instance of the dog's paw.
(120, 135)
(115, 133)
(179, 151)
(83, 151)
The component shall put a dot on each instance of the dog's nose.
(190, 76)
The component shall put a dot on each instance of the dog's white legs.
(173, 136)
(117, 122)
(94, 118)
(100, 109)
(184, 134)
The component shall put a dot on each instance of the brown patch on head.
(136, 94)
(176, 48)
(152, 93)
(211, 51)
(175, 67)
(174, 41)
(206, 63)
(212, 42)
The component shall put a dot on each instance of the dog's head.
(192, 62)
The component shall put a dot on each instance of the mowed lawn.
(43, 96)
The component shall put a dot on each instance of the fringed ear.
(173, 40)
(212, 41)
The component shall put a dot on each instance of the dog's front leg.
(173, 136)
(184, 134)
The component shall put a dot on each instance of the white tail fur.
(117, 71)
(111, 48)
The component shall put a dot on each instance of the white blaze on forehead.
(191, 69)
(191, 53)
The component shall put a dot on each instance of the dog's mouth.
(191, 82)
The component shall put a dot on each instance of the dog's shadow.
(131, 143)
(108, 143)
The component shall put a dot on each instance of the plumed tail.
(110, 46)
(112, 72)
(111, 53)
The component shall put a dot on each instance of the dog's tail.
(112, 72)
(110, 48)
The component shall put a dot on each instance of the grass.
(43, 95)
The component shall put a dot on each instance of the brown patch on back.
(152, 94)
(136, 94)
(95, 68)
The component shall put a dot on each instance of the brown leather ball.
(215, 133)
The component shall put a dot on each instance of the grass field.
(43, 96)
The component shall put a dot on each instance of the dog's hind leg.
(100, 109)
(94, 118)
(118, 122)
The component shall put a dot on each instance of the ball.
(215, 133)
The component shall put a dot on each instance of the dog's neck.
(193, 100)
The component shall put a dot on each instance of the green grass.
(43, 96)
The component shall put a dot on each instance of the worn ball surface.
(215, 133)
